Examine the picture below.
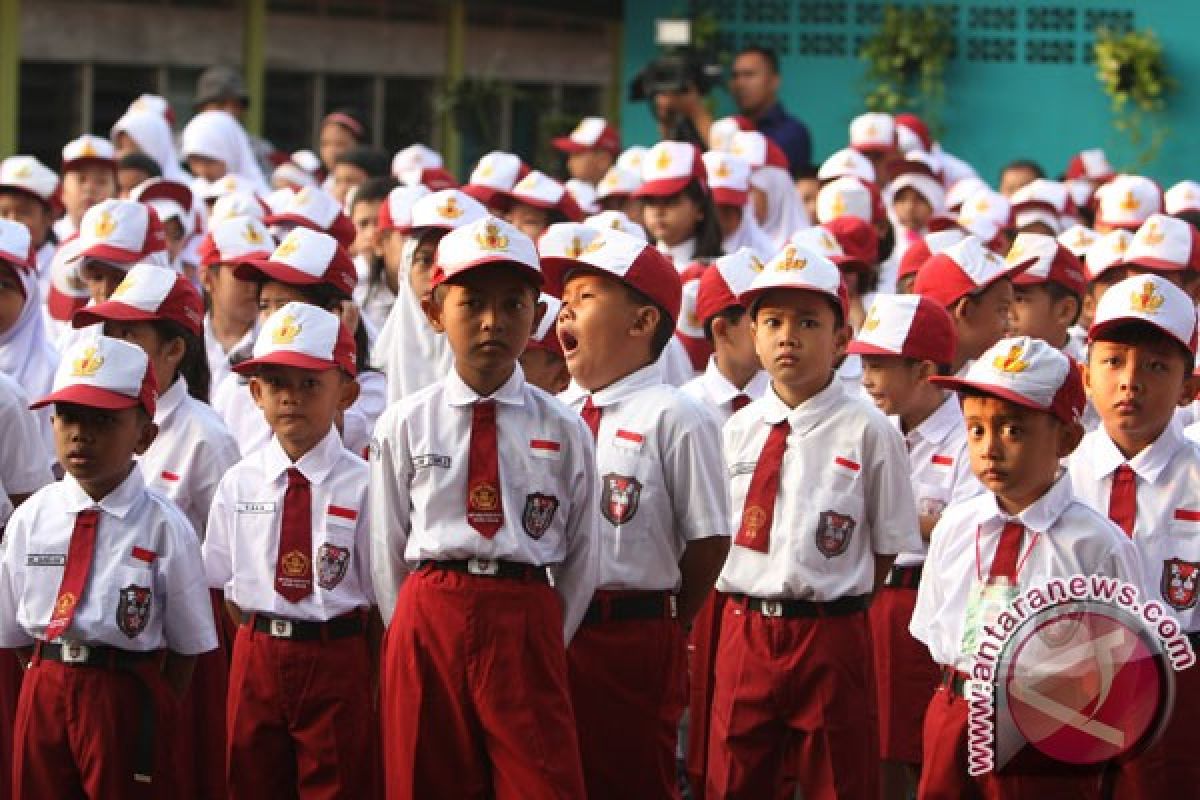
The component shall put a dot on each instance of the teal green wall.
(994, 112)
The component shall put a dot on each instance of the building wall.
(1020, 85)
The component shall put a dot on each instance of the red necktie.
(293, 565)
(755, 530)
(485, 512)
(591, 415)
(1122, 502)
(75, 572)
(739, 402)
(1004, 565)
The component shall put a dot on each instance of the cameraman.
(683, 115)
(754, 87)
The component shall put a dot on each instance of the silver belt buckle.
(281, 628)
(75, 653)
(483, 566)
(771, 608)
(673, 603)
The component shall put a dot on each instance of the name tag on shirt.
(46, 560)
(427, 461)
(742, 468)
(256, 508)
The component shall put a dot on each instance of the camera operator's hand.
(689, 104)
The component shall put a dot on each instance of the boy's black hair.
(375, 163)
(1136, 332)
(1059, 292)
(373, 190)
(194, 366)
(666, 326)
(806, 172)
(767, 54)
(970, 391)
(733, 315)
(839, 317)
(140, 162)
(1190, 217)
(1025, 163)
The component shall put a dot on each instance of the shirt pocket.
(1178, 564)
(334, 558)
(133, 601)
(932, 497)
(835, 526)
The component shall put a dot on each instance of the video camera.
(679, 67)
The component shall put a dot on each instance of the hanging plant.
(475, 105)
(906, 61)
(1133, 72)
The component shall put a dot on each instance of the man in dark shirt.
(754, 86)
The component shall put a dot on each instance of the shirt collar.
(635, 381)
(721, 390)
(170, 400)
(1041, 515)
(681, 254)
(1148, 464)
(808, 414)
(315, 465)
(945, 420)
(509, 393)
(119, 502)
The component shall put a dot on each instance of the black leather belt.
(789, 608)
(607, 607)
(342, 627)
(86, 655)
(491, 568)
(904, 577)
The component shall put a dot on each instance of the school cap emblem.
(123, 288)
(663, 161)
(87, 151)
(104, 225)
(756, 264)
(251, 236)
(288, 247)
(723, 170)
(133, 610)
(872, 320)
(1016, 254)
(450, 209)
(287, 330)
(619, 499)
(332, 562)
(1148, 300)
(1152, 234)
(87, 364)
(834, 531)
(597, 243)
(303, 197)
(1082, 239)
(790, 261)
(610, 181)
(1129, 202)
(575, 248)
(486, 170)
(22, 172)
(490, 238)
(839, 205)
(1011, 361)
(527, 183)
(1179, 580)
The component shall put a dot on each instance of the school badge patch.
(1179, 583)
(332, 562)
(833, 533)
(619, 501)
(133, 610)
(539, 513)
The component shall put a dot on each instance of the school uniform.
(715, 392)
(480, 607)
(94, 708)
(1158, 493)
(219, 361)
(300, 708)
(794, 687)
(658, 459)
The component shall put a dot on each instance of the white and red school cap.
(1052, 263)
(445, 210)
(101, 372)
(1081, 191)
(27, 174)
(67, 293)
(616, 221)
(88, 149)
(798, 267)
(395, 212)
(559, 248)
(1078, 239)
(689, 329)
(917, 171)
(962, 269)
(584, 195)
(432, 178)
(1151, 299)
(907, 325)
(847, 163)
(723, 282)
(304, 257)
(618, 182)
(912, 134)
(318, 210)
(155, 104)
(592, 133)
(120, 232)
(277, 200)
(415, 157)
(1107, 252)
(1029, 372)
(668, 167)
(846, 195)
(963, 190)
(1127, 201)
(1182, 198)
(1091, 164)
(545, 335)
(631, 158)
(721, 132)
(238, 204)
(16, 245)
(819, 240)
(148, 293)
(169, 199)
(873, 132)
(488, 240)
(728, 178)
(539, 190)
(988, 205)
(1165, 243)
(858, 240)
(1045, 195)
(635, 263)
(758, 150)
(495, 174)
(302, 336)
(227, 184)
(924, 249)
(235, 239)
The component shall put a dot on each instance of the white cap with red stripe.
(584, 195)
(303, 336)
(873, 132)
(497, 170)
(1127, 201)
(907, 325)
(1165, 243)
(415, 157)
(636, 263)
(616, 221)
(235, 239)
(797, 267)
(669, 167)
(845, 195)
(723, 283)
(27, 174)
(446, 210)
(237, 204)
(591, 133)
(15, 245)
(728, 178)
(488, 240)
(618, 182)
(1078, 239)
(121, 233)
(1151, 299)
(88, 148)
(631, 158)
(847, 162)
(1182, 198)
(1107, 252)
(758, 150)
(100, 372)
(395, 212)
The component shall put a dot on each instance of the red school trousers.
(301, 719)
(10, 690)
(702, 660)
(905, 675)
(475, 701)
(203, 714)
(794, 702)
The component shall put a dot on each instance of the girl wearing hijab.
(779, 210)
(215, 145)
(144, 129)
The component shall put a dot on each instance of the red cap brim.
(111, 310)
(91, 396)
(566, 144)
(1154, 263)
(256, 269)
(951, 382)
(729, 197)
(286, 358)
(106, 252)
(440, 277)
(662, 188)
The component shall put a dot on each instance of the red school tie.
(1122, 502)
(755, 529)
(293, 564)
(485, 510)
(740, 401)
(591, 414)
(75, 572)
(1004, 565)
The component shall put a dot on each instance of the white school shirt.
(218, 359)
(716, 393)
(660, 486)
(843, 497)
(24, 462)
(676, 364)
(143, 542)
(1166, 529)
(191, 453)
(419, 469)
(242, 547)
(1063, 537)
(939, 465)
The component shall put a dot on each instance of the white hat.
(497, 170)
(562, 243)
(1106, 252)
(120, 232)
(669, 167)
(316, 208)
(16, 245)
(819, 240)
(415, 158)
(728, 178)
(847, 162)
(229, 183)
(88, 148)
(235, 239)
(616, 221)
(721, 133)
(146, 294)
(907, 325)
(723, 282)
(873, 132)
(797, 267)
(917, 172)
(631, 158)
(1151, 299)
(1078, 239)
(584, 195)
(304, 336)
(845, 195)
(27, 174)
(304, 257)
(1165, 243)
(446, 210)
(68, 292)
(961, 190)
(488, 240)
(590, 133)
(962, 269)
(1182, 198)
(758, 150)
(1127, 201)
(618, 182)
(101, 372)
(237, 204)
(395, 213)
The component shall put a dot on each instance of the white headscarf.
(408, 351)
(216, 134)
(785, 212)
(750, 235)
(26, 354)
(151, 133)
